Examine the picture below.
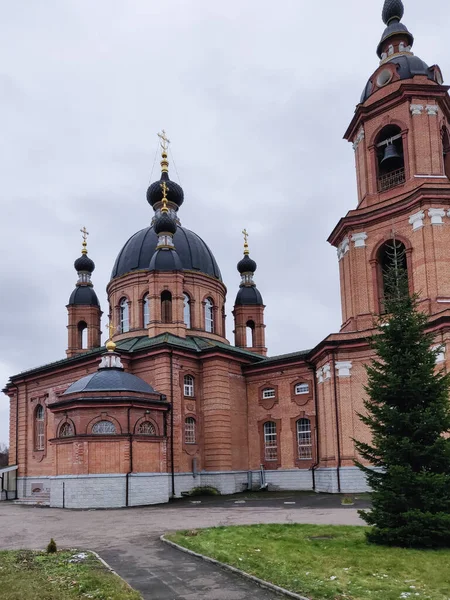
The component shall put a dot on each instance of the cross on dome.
(84, 233)
(164, 141)
(245, 234)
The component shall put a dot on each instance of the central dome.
(192, 250)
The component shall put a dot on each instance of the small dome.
(110, 380)
(175, 192)
(165, 224)
(393, 9)
(395, 28)
(84, 263)
(248, 295)
(165, 259)
(246, 265)
(191, 249)
(83, 295)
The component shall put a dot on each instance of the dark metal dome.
(408, 66)
(165, 224)
(393, 9)
(246, 265)
(248, 295)
(84, 263)
(165, 259)
(110, 380)
(192, 251)
(83, 295)
(175, 192)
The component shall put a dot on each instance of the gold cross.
(165, 189)
(111, 330)
(164, 141)
(84, 233)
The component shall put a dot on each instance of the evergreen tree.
(408, 413)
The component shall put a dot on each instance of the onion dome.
(248, 293)
(83, 294)
(175, 194)
(393, 11)
(165, 224)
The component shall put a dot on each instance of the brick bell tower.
(249, 328)
(83, 308)
(401, 137)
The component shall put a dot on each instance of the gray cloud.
(255, 96)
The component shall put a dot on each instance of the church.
(169, 404)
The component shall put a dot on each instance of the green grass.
(325, 562)
(29, 575)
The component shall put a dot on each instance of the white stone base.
(353, 480)
(25, 484)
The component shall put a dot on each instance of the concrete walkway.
(128, 539)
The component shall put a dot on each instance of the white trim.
(431, 176)
(359, 239)
(9, 469)
(416, 220)
(343, 368)
(436, 215)
(326, 371)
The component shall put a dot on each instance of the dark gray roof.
(192, 250)
(165, 260)
(248, 296)
(84, 295)
(407, 68)
(110, 380)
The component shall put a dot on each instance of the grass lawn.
(29, 575)
(325, 562)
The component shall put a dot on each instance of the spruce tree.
(408, 414)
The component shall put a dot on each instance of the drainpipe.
(316, 407)
(338, 439)
(172, 460)
(17, 425)
(130, 441)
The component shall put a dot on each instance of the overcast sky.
(255, 96)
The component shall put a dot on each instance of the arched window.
(250, 334)
(82, 335)
(166, 307)
(270, 441)
(190, 436)
(39, 421)
(124, 315)
(390, 158)
(104, 428)
(209, 315)
(146, 428)
(146, 310)
(446, 150)
(66, 430)
(189, 386)
(301, 388)
(391, 252)
(304, 439)
(187, 311)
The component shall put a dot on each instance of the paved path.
(128, 539)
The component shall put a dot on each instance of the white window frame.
(268, 393)
(304, 439)
(187, 310)
(189, 386)
(124, 310)
(146, 310)
(40, 427)
(190, 430)
(209, 315)
(298, 387)
(270, 441)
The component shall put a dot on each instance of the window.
(390, 158)
(189, 386)
(209, 315)
(268, 393)
(301, 388)
(189, 431)
(39, 427)
(446, 150)
(390, 252)
(250, 334)
(104, 428)
(82, 335)
(146, 428)
(187, 311)
(166, 307)
(66, 430)
(146, 310)
(270, 441)
(304, 440)
(124, 310)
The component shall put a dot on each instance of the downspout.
(17, 425)
(316, 408)
(172, 459)
(338, 438)
(130, 441)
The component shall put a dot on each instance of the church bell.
(391, 153)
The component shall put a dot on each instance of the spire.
(396, 38)
(84, 265)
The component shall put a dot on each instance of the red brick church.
(170, 404)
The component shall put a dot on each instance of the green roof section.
(292, 356)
